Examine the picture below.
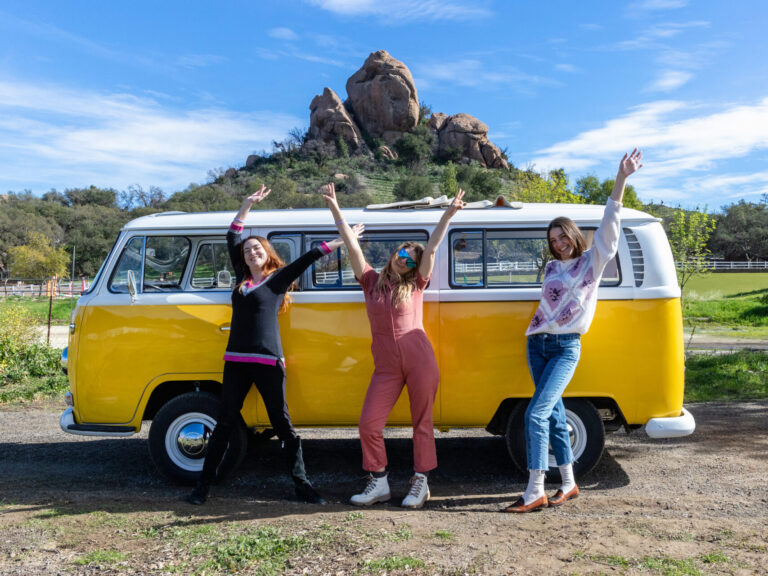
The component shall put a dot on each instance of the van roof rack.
(443, 202)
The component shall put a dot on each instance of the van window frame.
(306, 284)
(184, 279)
(521, 286)
(198, 242)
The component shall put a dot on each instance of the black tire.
(587, 437)
(194, 415)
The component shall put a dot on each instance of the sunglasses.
(403, 253)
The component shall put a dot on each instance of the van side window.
(131, 259)
(506, 258)
(335, 271)
(213, 269)
(165, 259)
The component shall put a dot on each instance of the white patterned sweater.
(569, 292)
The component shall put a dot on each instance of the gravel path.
(684, 500)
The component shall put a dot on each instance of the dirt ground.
(698, 505)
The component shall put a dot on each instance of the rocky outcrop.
(383, 98)
(470, 136)
(329, 121)
(382, 103)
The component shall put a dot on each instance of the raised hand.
(631, 163)
(357, 230)
(357, 233)
(257, 197)
(457, 203)
(329, 194)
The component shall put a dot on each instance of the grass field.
(728, 302)
(726, 285)
(39, 308)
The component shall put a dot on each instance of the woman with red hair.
(254, 353)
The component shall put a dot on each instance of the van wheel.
(586, 431)
(178, 437)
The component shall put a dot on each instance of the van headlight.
(69, 400)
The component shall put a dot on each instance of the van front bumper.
(672, 427)
(68, 424)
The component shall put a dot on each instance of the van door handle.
(225, 328)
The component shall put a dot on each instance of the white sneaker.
(377, 490)
(419, 492)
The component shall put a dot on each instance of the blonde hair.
(274, 262)
(403, 285)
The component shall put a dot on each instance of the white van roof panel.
(530, 214)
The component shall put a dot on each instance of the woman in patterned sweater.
(565, 311)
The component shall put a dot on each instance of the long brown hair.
(572, 232)
(403, 285)
(274, 262)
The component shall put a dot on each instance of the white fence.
(722, 265)
(62, 288)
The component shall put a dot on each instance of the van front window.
(158, 261)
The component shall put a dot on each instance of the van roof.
(304, 218)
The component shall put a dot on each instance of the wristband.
(339, 222)
(236, 219)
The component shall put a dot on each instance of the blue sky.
(158, 93)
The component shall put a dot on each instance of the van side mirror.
(224, 279)
(132, 286)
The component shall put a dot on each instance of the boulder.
(252, 160)
(329, 121)
(383, 97)
(470, 136)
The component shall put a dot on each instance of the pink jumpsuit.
(402, 355)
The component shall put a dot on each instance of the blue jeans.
(552, 359)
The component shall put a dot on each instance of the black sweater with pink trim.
(255, 329)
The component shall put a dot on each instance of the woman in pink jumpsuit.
(402, 354)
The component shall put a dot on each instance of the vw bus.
(147, 339)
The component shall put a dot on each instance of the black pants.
(270, 382)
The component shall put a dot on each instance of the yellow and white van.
(147, 339)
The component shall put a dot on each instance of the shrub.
(28, 369)
(412, 188)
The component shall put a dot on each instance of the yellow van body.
(131, 353)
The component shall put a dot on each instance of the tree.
(479, 183)
(688, 236)
(448, 183)
(742, 232)
(412, 188)
(38, 258)
(596, 192)
(415, 146)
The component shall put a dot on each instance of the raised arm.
(628, 165)
(606, 240)
(348, 235)
(234, 236)
(428, 258)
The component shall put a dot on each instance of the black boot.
(199, 494)
(304, 489)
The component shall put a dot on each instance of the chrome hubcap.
(187, 439)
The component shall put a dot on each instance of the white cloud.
(569, 68)
(670, 80)
(54, 136)
(659, 4)
(405, 10)
(283, 34)
(474, 73)
(678, 144)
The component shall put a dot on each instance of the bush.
(412, 188)
(28, 369)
